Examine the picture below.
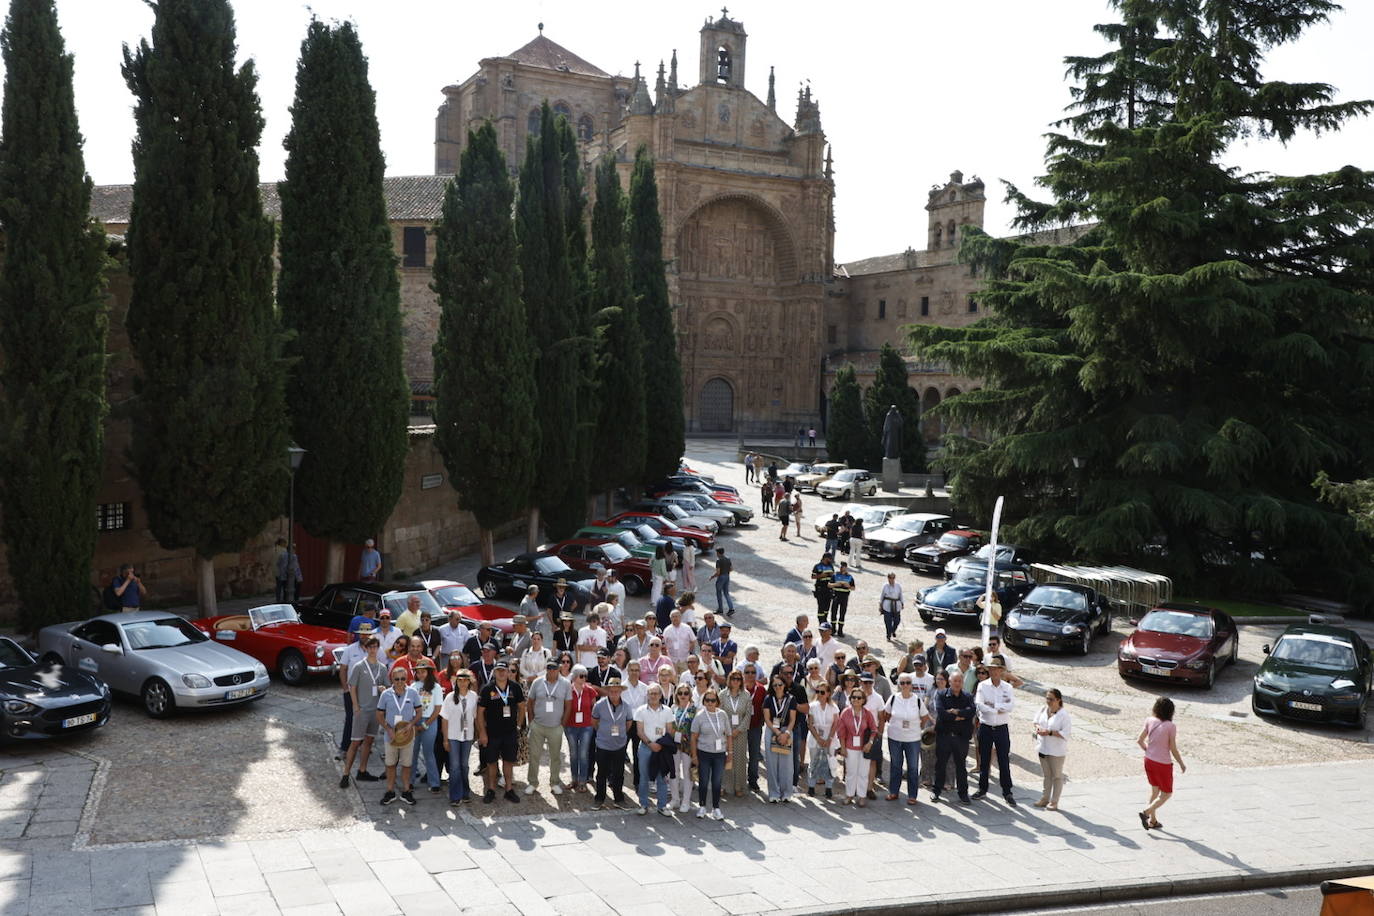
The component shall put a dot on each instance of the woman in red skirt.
(1158, 739)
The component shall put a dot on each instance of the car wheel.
(1362, 721)
(489, 589)
(291, 666)
(1211, 676)
(158, 700)
(1235, 650)
(1085, 646)
(634, 585)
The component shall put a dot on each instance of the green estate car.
(627, 537)
(1316, 673)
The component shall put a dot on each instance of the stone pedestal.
(892, 475)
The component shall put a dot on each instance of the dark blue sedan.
(40, 700)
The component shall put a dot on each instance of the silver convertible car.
(157, 657)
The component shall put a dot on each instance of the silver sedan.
(159, 658)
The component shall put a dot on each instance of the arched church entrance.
(716, 407)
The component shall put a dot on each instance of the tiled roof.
(909, 259)
(541, 52)
(408, 197)
(902, 260)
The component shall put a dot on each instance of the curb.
(1098, 893)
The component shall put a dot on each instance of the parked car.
(43, 699)
(543, 569)
(794, 470)
(690, 480)
(874, 517)
(741, 513)
(622, 536)
(673, 512)
(275, 636)
(851, 483)
(697, 487)
(1317, 674)
(1058, 615)
(956, 600)
(932, 557)
(472, 611)
(158, 657)
(648, 534)
(818, 474)
(581, 553)
(1180, 642)
(338, 603)
(704, 541)
(1006, 553)
(910, 529)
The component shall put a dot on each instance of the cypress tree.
(847, 437)
(1201, 353)
(209, 439)
(662, 367)
(620, 425)
(485, 425)
(340, 296)
(52, 326)
(890, 387)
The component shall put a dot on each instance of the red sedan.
(582, 553)
(703, 541)
(1180, 642)
(471, 609)
(275, 636)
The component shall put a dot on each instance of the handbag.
(780, 748)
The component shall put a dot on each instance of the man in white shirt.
(386, 634)
(679, 640)
(453, 636)
(994, 700)
(827, 647)
(589, 639)
(615, 587)
(922, 682)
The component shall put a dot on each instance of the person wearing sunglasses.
(821, 740)
(398, 713)
(738, 707)
(710, 753)
(684, 712)
(577, 727)
(780, 718)
(459, 714)
(856, 731)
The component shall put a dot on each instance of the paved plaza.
(240, 811)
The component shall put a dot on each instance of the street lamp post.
(294, 456)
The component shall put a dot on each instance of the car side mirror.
(112, 649)
(1265, 649)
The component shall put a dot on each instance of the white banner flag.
(988, 599)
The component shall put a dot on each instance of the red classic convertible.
(275, 636)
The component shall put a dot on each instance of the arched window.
(723, 64)
(585, 130)
(561, 110)
(532, 122)
(951, 233)
(953, 196)
(939, 235)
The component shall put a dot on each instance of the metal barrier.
(1135, 590)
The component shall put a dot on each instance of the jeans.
(710, 774)
(831, 544)
(951, 749)
(990, 738)
(723, 600)
(348, 723)
(610, 767)
(458, 754)
(579, 746)
(541, 737)
(779, 770)
(755, 741)
(642, 771)
(908, 752)
(424, 745)
(891, 621)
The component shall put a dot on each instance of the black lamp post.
(294, 456)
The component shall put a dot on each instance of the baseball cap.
(940, 632)
(826, 627)
(500, 664)
(386, 612)
(550, 665)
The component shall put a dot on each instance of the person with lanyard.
(906, 715)
(485, 634)
(806, 652)
(498, 731)
(611, 723)
(666, 602)
(459, 713)
(856, 732)
(484, 669)
(737, 704)
(941, 655)
(794, 635)
(565, 635)
(965, 667)
(388, 634)
(454, 635)
(841, 587)
(603, 672)
(795, 676)
(550, 699)
(650, 664)
(709, 631)
(821, 740)
(427, 635)
(635, 695)
(590, 640)
(577, 727)
(411, 660)
(724, 648)
(679, 640)
(754, 737)
(954, 717)
(680, 784)
(519, 641)
(780, 718)
(994, 700)
(562, 601)
(654, 722)
(426, 684)
(636, 641)
(345, 658)
(1052, 730)
(875, 704)
(366, 681)
(535, 661)
(711, 753)
(398, 712)
(890, 605)
(835, 672)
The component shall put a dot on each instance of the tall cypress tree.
(485, 424)
(846, 437)
(890, 387)
(340, 295)
(662, 367)
(1203, 352)
(209, 442)
(620, 428)
(52, 326)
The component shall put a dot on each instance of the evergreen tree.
(52, 326)
(209, 437)
(553, 322)
(665, 424)
(890, 387)
(846, 437)
(340, 296)
(620, 360)
(1201, 353)
(485, 424)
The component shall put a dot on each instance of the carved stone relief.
(728, 240)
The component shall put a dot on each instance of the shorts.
(1160, 775)
(398, 754)
(500, 747)
(365, 724)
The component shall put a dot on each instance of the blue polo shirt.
(612, 724)
(406, 704)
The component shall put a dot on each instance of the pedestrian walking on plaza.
(856, 542)
(811, 434)
(722, 576)
(550, 702)
(841, 587)
(398, 712)
(711, 753)
(1159, 740)
(370, 564)
(797, 510)
(780, 718)
(994, 700)
(784, 516)
(459, 713)
(954, 716)
(890, 605)
(1052, 730)
(766, 496)
(749, 467)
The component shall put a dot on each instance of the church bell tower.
(722, 52)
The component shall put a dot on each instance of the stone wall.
(419, 304)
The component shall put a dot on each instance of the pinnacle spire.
(672, 73)
(772, 96)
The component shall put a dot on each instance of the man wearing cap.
(549, 704)
(518, 643)
(370, 564)
(820, 584)
(794, 635)
(367, 614)
(345, 657)
(387, 632)
(603, 672)
(954, 713)
(827, 647)
(501, 716)
(484, 669)
(678, 640)
(708, 632)
(841, 587)
(590, 639)
(611, 724)
(724, 647)
(994, 700)
(890, 605)
(941, 655)
(454, 635)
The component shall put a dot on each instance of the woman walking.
(856, 732)
(1158, 739)
(738, 705)
(779, 719)
(820, 741)
(710, 753)
(797, 510)
(680, 786)
(1052, 730)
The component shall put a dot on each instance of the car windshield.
(957, 541)
(273, 613)
(847, 474)
(972, 573)
(1183, 624)
(646, 532)
(615, 552)
(12, 656)
(398, 602)
(456, 596)
(165, 633)
(907, 523)
(674, 512)
(872, 518)
(627, 540)
(796, 467)
(1055, 597)
(551, 566)
(1315, 651)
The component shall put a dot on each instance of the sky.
(909, 91)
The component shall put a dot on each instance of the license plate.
(73, 722)
(241, 693)
(1310, 707)
(937, 616)
(1162, 672)
(1037, 642)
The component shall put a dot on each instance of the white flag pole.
(992, 572)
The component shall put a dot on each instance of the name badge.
(577, 717)
(856, 742)
(548, 706)
(376, 691)
(906, 723)
(505, 712)
(718, 745)
(734, 719)
(615, 731)
(657, 731)
(396, 719)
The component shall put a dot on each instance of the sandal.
(892, 797)
(1144, 820)
(1156, 825)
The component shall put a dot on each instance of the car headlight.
(1345, 697)
(1069, 629)
(195, 681)
(20, 708)
(1013, 621)
(965, 604)
(1126, 654)
(921, 595)
(1197, 664)
(104, 689)
(260, 670)
(319, 651)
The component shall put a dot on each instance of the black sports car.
(39, 700)
(543, 569)
(1058, 615)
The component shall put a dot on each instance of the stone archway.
(716, 407)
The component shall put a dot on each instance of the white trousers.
(855, 773)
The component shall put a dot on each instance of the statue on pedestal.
(892, 433)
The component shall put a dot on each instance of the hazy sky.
(908, 91)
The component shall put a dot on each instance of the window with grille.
(972, 305)
(925, 305)
(413, 246)
(882, 309)
(112, 516)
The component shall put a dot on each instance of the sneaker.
(388, 797)
(455, 804)
(408, 797)
(829, 793)
(730, 613)
(641, 810)
(343, 781)
(530, 790)
(979, 794)
(489, 796)
(599, 804)
(365, 776)
(666, 812)
(1010, 799)
(811, 790)
(557, 790)
(511, 796)
(435, 790)
(935, 798)
(717, 816)
(685, 806)
(701, 812)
